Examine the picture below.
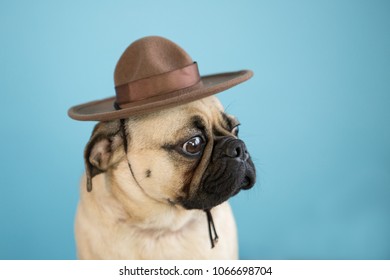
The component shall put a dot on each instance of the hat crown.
(149, 56)
(153, 74)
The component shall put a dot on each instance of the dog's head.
(188, 155)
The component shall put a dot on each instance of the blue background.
(316, 115)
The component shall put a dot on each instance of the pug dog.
(161, 183)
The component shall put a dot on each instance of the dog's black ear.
(103, 149)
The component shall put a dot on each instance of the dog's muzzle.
(229, 171)
(235, 149)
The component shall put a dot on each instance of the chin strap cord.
(212, 230)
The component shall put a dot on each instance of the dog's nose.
(236, 149)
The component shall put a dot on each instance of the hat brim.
(104, 110)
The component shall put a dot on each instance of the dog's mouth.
(211, 195)
(247, 183)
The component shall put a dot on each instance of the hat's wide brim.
(104, 110)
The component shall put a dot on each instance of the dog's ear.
(103, 149)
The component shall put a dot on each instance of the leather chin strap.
(210, 222)
(211, 225)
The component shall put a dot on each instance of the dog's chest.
(105, 234)
(183, 244)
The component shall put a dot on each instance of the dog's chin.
(204, 202)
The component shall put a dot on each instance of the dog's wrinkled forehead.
(171, 124)
(207, 114)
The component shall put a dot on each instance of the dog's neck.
(134, 207)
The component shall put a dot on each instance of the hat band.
(157, 85)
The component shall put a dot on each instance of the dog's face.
(189, 155)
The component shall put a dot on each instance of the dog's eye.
(194, 146)
(235, 130)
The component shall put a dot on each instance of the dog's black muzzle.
(229, 171)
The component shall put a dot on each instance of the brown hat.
(152, 74)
